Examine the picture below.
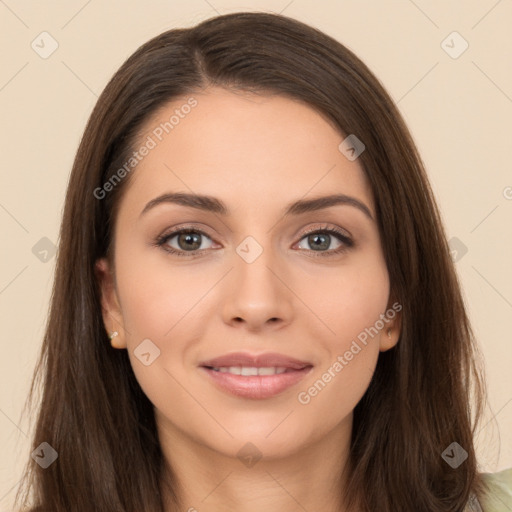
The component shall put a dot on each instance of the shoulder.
(499, 496)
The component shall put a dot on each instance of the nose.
(257, 296)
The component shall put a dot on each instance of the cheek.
(347, 300)
(159, 303)
(157, 295)
(350, 306)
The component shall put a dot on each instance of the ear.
(111, 310)
(390, 334)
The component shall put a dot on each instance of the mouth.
(255, 377)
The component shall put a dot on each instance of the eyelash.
(346, 241)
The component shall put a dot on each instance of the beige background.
(458, 109)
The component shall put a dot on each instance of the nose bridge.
(253, 263)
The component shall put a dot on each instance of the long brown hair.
(93, 412)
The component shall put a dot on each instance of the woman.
(215, 345)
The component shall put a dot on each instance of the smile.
(255, 376)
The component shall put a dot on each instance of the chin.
(258, 438)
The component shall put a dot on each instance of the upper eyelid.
(326, 228)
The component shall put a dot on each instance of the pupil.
(315, 238)
(189, 238)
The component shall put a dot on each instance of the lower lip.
(256, 386)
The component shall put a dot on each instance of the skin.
(257, 154)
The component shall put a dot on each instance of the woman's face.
(256, 278)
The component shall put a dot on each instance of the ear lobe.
(391, 333)
(111, 310)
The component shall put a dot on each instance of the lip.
(256, 387)
(257, 361)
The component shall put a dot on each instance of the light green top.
(499, 497)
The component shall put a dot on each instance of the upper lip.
(268, 359)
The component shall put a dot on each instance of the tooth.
(266, 371)
(249, 371)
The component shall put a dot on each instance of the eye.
(188, 240)
(320, 239)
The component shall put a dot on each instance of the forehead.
(249, 149)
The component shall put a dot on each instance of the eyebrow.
(214, 205)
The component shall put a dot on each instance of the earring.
(389, 332)
(113, 335)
